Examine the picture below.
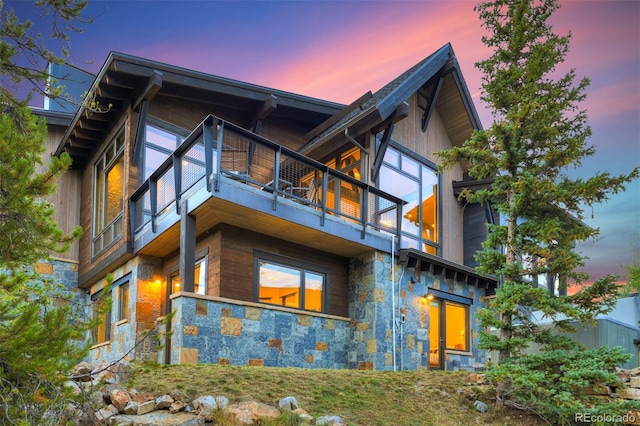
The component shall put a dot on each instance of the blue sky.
(338, 50)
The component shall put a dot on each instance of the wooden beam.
(112, 92)
(153, 86)
(431, 103)
(384, 143)
(86, 134)
(264, 110)
(338, 116)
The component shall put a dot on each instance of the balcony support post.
(187, 248)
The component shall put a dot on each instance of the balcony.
(223, 173)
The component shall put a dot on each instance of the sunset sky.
(338, 50)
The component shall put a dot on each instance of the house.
(280, 230)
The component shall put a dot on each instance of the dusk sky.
(338, 50)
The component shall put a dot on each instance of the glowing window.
(291, 286)
(109, 195)
(199, 278)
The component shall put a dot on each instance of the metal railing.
(217, 149)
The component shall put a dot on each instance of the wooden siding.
(66, 199)
(237, 257)
(230, 262)
(94, 268)
(408, 133)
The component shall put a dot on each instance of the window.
(109, 195)
(199, 278)
(102, 313)
(158, 145)
(294, 285)
(449, 325)
(124, 311)
(416, 183)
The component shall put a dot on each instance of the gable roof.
(368, 112)
(125, 78)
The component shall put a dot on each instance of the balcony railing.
(218, 150)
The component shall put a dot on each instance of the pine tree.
(41, 329)
(538, 137)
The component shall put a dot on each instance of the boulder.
(304, 416)
(82, 372)
(205, 406)
(289, 403)
(221, 402)
(481, 406)
(177, 406)
(103, 415)
(119, 398)
(146, 407)
(163, 402)
(329, 420)
(131, 408)
(159, 418)
(248, 412)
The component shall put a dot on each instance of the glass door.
(436, 341)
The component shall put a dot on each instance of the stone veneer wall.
(370, 308)
(207, 329)
(144, 304)
(412, 301)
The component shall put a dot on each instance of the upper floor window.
(160, 142)
(416, 183)
(109, 179)
(291, 284)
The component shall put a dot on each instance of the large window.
(290, 284)
(109, 194)
(416, 183)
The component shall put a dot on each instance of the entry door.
(436, 337)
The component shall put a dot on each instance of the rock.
(163, 402)
(205, 406)
(329, 420)
(221, 402)
(634, 382)
(481, 406)
(146, 407)
(103, 415)
(177, 407)
(160, 418)
(119, 398)
(131, 408)
(249, 411)
(178, 395)
(628, 393)
(289, 403)
(82, 372)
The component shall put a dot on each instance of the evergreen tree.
(539, 135)
(41, 329)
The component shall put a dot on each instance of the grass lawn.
(359, 397)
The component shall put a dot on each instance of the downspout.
(393, 300)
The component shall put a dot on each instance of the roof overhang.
(424, 262)
(125, 81)
(389, 105)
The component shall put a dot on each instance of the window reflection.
(290, 286)
(417, 185)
